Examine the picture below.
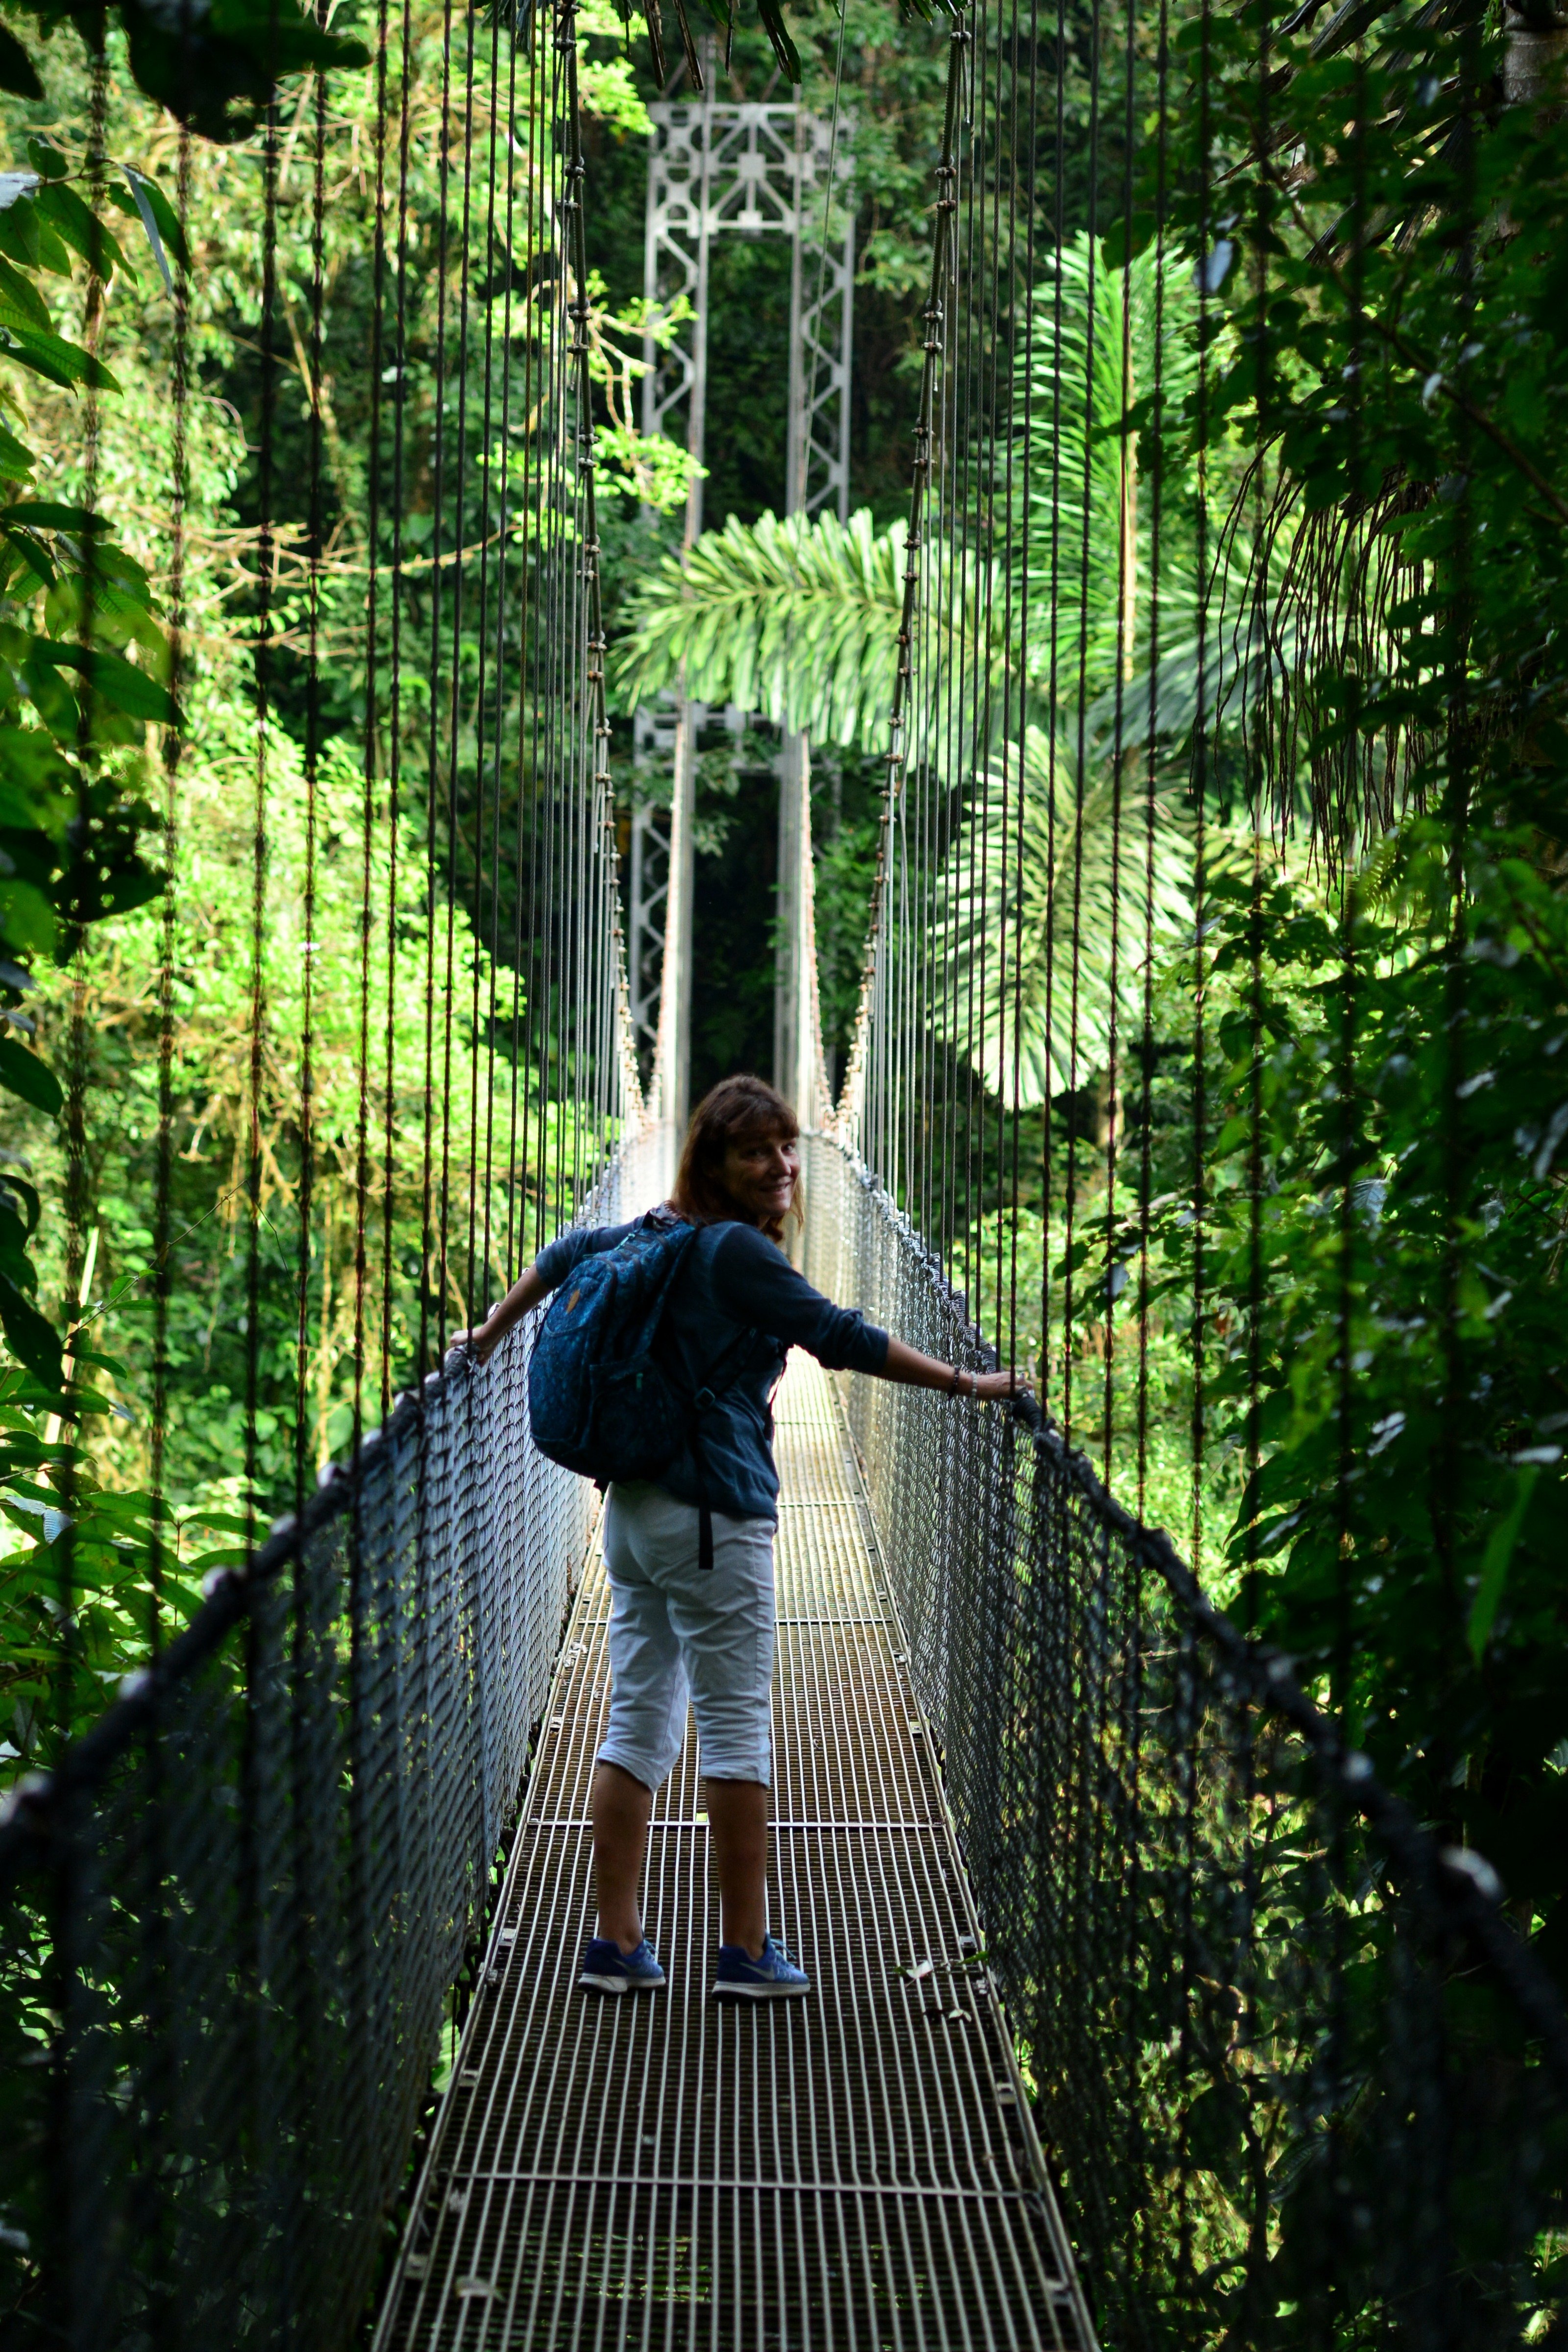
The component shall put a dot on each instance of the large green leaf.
(17, 460)
(119, 681)
(1097, 341)
(23, 1073)
(48, 514)
(80, 226)
(31, 1337)
(1048, 907)
(21, 304)
(64, 363)
(800, 620)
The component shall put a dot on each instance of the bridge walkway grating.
(852, 2170)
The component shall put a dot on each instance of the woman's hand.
(987, 1387)
(482, 1341)
(486, 1337)
(908, 1366)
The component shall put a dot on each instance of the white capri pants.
(677, 1632)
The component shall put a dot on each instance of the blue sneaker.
(772, 1977)
(606, 1969)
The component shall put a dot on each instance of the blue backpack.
(597, 1400)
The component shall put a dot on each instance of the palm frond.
(1049, 907)
(1326, 690)
(1107, 361)
(799, 620)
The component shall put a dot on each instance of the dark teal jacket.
(737, 1307)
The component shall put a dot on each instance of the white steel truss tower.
(751, 171)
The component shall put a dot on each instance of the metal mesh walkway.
(853, 2169)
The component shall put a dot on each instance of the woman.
(736, 1308)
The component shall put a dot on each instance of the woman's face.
(760, 1174)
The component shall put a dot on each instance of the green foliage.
(151, 1021)
(1384, 1326)
(1105, 350)
(1049, 907)
(85, 677)
(377, 950)
(801, 620)
(655, 472)
(846, 827)
(1371, 1231)
(74, 605)
(798, 620)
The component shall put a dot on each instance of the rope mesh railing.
(235, 1909)
(256, 1880)
(858, 2169)
(1300, 2081)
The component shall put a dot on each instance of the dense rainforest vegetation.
(196, 1371)
(1346, 1249)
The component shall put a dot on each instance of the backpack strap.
(706, 1398)
(703, 1400)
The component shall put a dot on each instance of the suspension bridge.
(1134, 2019)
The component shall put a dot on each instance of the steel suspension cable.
(159, 1551)
(312, 745)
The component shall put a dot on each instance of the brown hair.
(735, 1111)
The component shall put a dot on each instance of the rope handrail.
(1193, 1891)
(30, 1808)
(292, 1813)
(1456, 1884)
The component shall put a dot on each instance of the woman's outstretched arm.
(908, 1366)
(905, 1365)
(761, 1286)
(486, 1337)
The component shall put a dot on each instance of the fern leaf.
(799, 619)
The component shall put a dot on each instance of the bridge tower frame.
(751, 169)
